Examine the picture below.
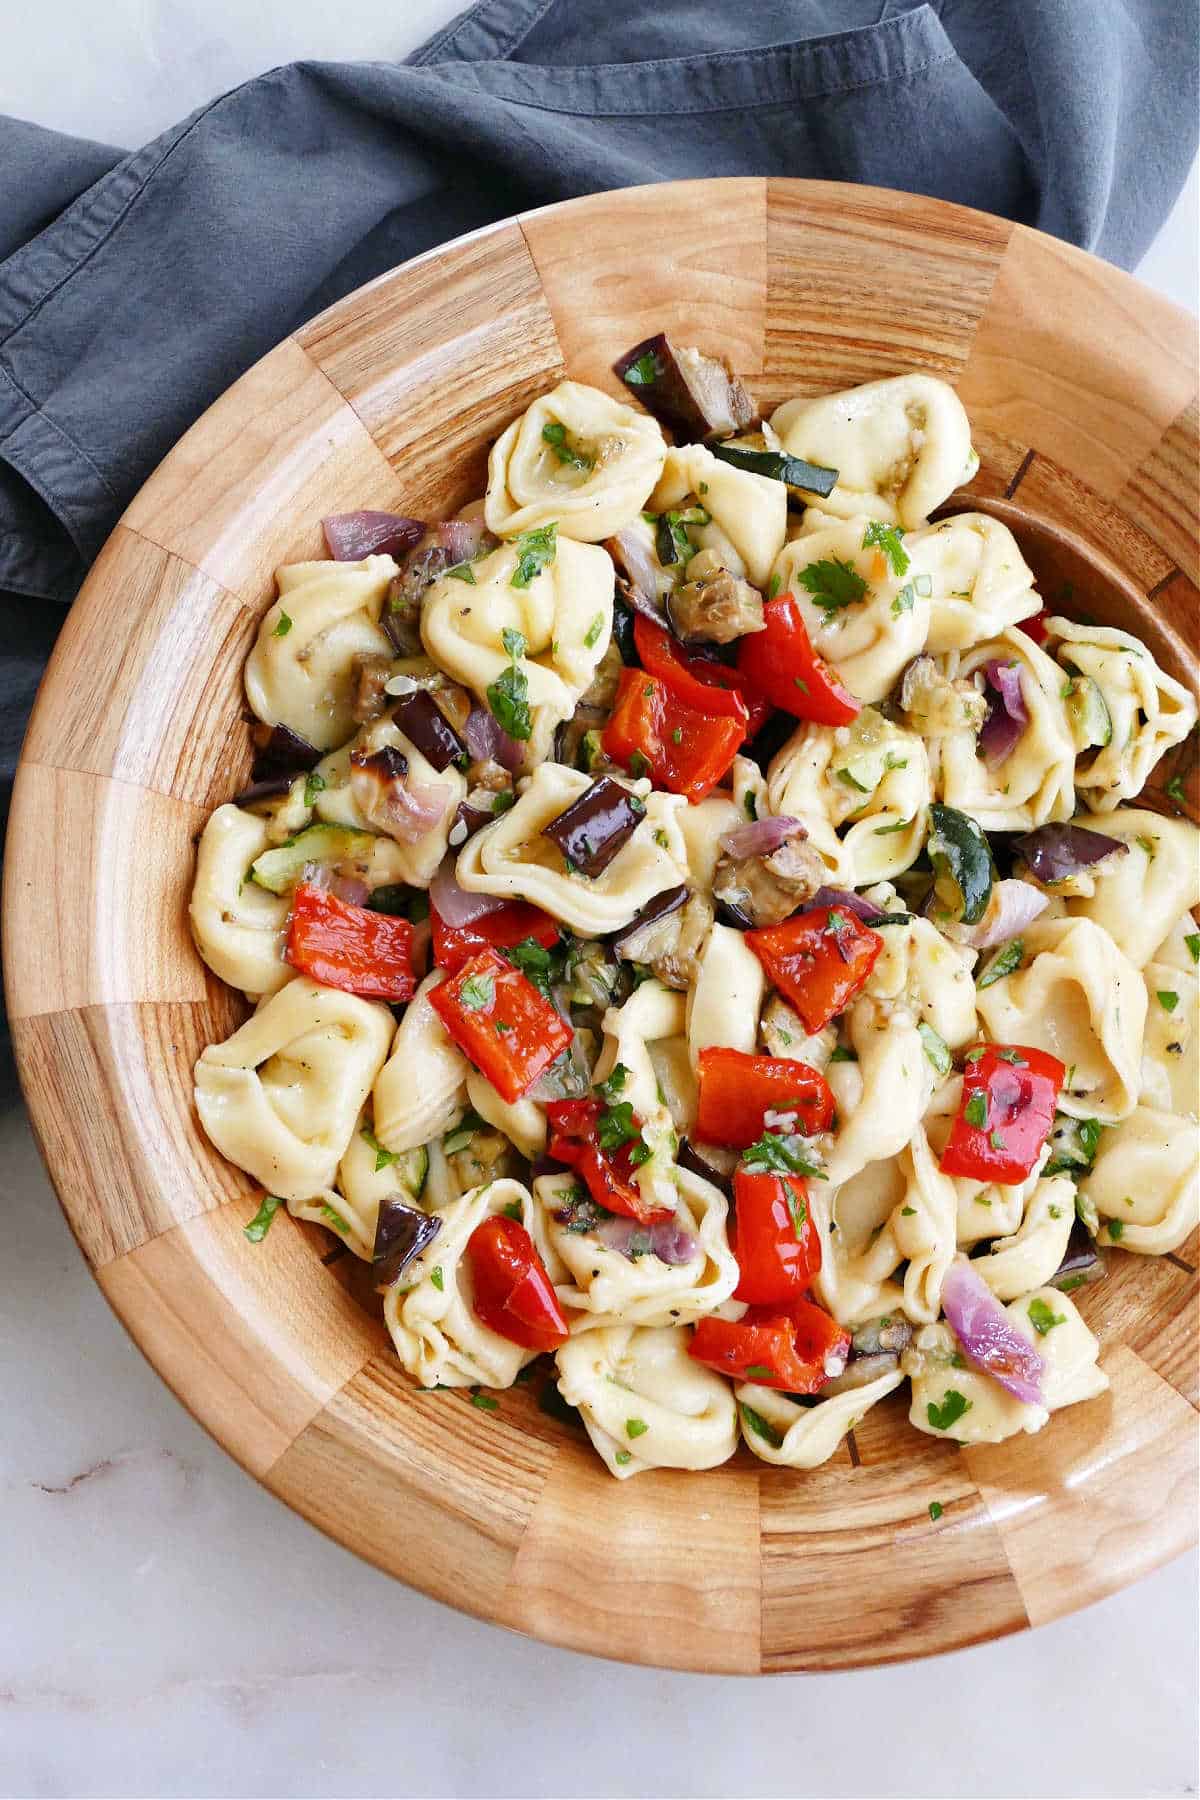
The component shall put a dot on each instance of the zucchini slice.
(809, 478)
(962, 864)
(279, 870)
(1087, 714)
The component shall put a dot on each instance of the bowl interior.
(1081, 388)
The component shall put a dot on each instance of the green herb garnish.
(760, 1427)
(478, 992)
(976, 1110)
(1003, 963)
(260, 1224)
(383, 1156)
(936, 1049)
(887, 538)
(534, 550)
(1042, 1319)
(953, 1406)
(634, 1428)
(833, 585)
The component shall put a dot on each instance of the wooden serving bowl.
(1081, 387)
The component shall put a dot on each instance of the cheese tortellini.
(239, 928)
(980, 582)
(645, 1403)
(576, 459)
(1139, 896)
(1141, 711)
(747, 512)
(866, 622)
(1145, 1182)
(300, 672)
(281, 1097)
(791, 1436)
(870, 781)
(1034, 783)
(422, 1086)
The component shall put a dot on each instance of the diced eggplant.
(594, 828)
(765, 890)
(668, 935)
(281, 751)
(1058, 852)
(712, 605)
(637, 937)
(888, 1335)
(428, 729)
(402, 1232)
(710, 1161)
(1082, 1263)
(371, 676)
(696, 395)
(805, 477)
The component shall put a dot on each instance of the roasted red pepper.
(710, 686)
(510, 1289)
(500, 1021)
(1034, 626)
(1005, 1115)
(736, 1090)
(797, 1348)
(349, 947)
(653, 732)
(818, 960)
(776, 1243)
(780, 663)
(609, 1174)
(510, 924)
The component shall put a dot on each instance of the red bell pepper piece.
(608, 1174)
(737, 1089)
(777, 1247)
(1006, 1113)
(818, 960)
(500, 930)
(711, 687)
(781, 664)
(349, 947)
(797, 1348)
(653, 732)
(1034, 626)
(510, 1289)
(500, 1021)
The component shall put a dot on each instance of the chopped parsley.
(908, 1212)
(936, 1049)
(887, 538)
(1167, 999)
(283, 627)
(639, 765)
(478, 992)
(1115, 1229)
(314, 784)
(616, 1126)
(904, 601)
(485, 1402)
(841, 1054)
(513, 1211)
(463, 1132)
(556, 436)
(260, 1224)
(644, 372)
(592, 635)
(334, 1218)
(851, 780)
(936, 1509)
(383, 1157)
(976, 1110)
(775, 1154)
(759, 1372)
(508, 695)
(1192, 940)
(462, 572)
(760, 1427)
(833, 584)
(1003, 963)
(953, 1406)
(534, 550)
(774, 586)
(1042, 1319)
(1146, 844)
(635, 1427)
(1174, 790)
(622, 1457)
(796, 1207)
(614, 1083)
(438, 1279)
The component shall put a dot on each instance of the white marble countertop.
(167, 1628)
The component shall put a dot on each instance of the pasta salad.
(701, 928)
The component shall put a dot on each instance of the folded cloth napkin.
(134, 288)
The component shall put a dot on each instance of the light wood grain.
(1082, 394)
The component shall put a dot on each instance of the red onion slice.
(352, 536)
(762, 837)
(1054, 852)
(1007, 714)
(455, 905)
(1013, 906)
(670, 1242)
(488, 743)
(858, 904)
(988, 1336)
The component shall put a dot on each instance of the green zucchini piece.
(810, 478)
(280, 869)
(412, 1170)
(1087, 714)
(962, 864)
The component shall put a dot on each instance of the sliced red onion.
(670, 1242)
(406, 811)
(343, 887)
(1054, 852)
(1013, 906)
(488, 743)
(1007, 714)
(988, 1336)
(762, 837)
(1082, 1263)
(454, 904)
(352, 536)
(638, 574)
(858, 904)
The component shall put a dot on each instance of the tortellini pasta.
(281, 1097)
(1034, 784)
(239, 928)
(562, 612)
(1145, 1182)
(645, 1403)
(1142, 711)
(609, 1287)
(1078, 997)
(1171, 1045)
(926, 972)
(1071, 1374)
(421, 1087)
(867, 622)
(575, 458)
(300, 672)
(900, 446)
(1028, 1258)
(512, 858)
(724, 1004)
(881, 1096)
(981, 584)
(440, 1339)
(870, 780)
(748, 512)
(859, 1252)
(924, 1228)
(652, 1014)
(804, 1437)
(1139, 896)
